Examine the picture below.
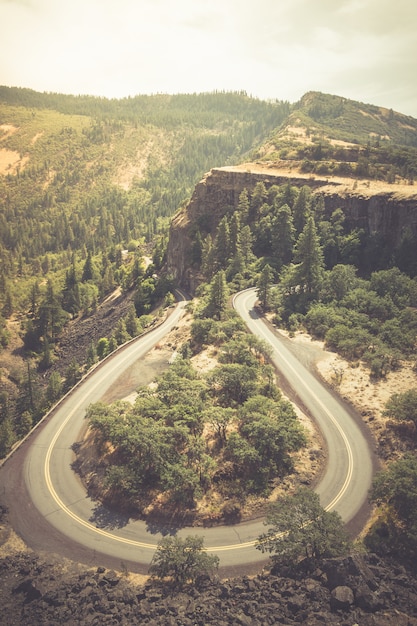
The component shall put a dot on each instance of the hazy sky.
(360, 49)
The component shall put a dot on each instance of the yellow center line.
(349, 472)
(88, 525)
(153, 546)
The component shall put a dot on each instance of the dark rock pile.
(359, 590)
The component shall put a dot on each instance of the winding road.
(48, 505)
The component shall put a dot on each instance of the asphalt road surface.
(49, 508)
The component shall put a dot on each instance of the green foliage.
(378, 143)
(54, 389)
(299, 527)
(68, 194)
(182, 560)
(162, 443)
(217, 296)
(201, 330)
(264, 287)
(268, 433)
(308, 257)
(4, 334)
(395, 491)
(366, 319)
(402, 406)
(401, 409)
(7, 436)
(232, 384)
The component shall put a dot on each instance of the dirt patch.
(7, 130)
(140, 375)
(136, 166)
(364, 187)
(354, 383)
(10, 161)
(36, 137)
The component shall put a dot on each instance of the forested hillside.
(328, 134)
(87, 187)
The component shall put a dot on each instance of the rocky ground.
(358, 590)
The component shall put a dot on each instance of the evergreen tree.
(132, 322)
(88, 270)
(218, 295)
(243, 206)
(308, 256)
(222, 245)
(234, 233)
(264, 287)
(289, 195)
(52, 317)
(301, 209)
(54, 389)
(283, 236)
(246, 242)
(258, 198)
(8, 304)
(34, 297)
(207, 258)
(71, 291)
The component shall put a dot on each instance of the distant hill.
(334, 135)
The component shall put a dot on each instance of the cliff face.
(377, 208)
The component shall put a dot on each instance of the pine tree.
(246, 242)
(8, 307)
(243, 206)
(301, 209)
(234, 233)
(71, 291)
(218, 295)
(88, 271)
(264, 287)
(207, 258)
(258, 198)
(309, 259)
(283, 236)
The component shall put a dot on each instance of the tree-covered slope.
(81, 171)
(329, 134)
(87, 187)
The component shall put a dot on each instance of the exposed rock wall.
(388, 212)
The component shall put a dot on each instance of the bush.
(182, 560)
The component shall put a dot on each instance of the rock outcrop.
(355, 590)
(375, 207)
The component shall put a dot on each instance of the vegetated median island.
(199, 447)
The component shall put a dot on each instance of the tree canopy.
(299, 527)
(182, 560)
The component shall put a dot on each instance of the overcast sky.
(360, 49)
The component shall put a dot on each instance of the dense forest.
(87, 189)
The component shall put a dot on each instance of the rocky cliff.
(378, 208)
